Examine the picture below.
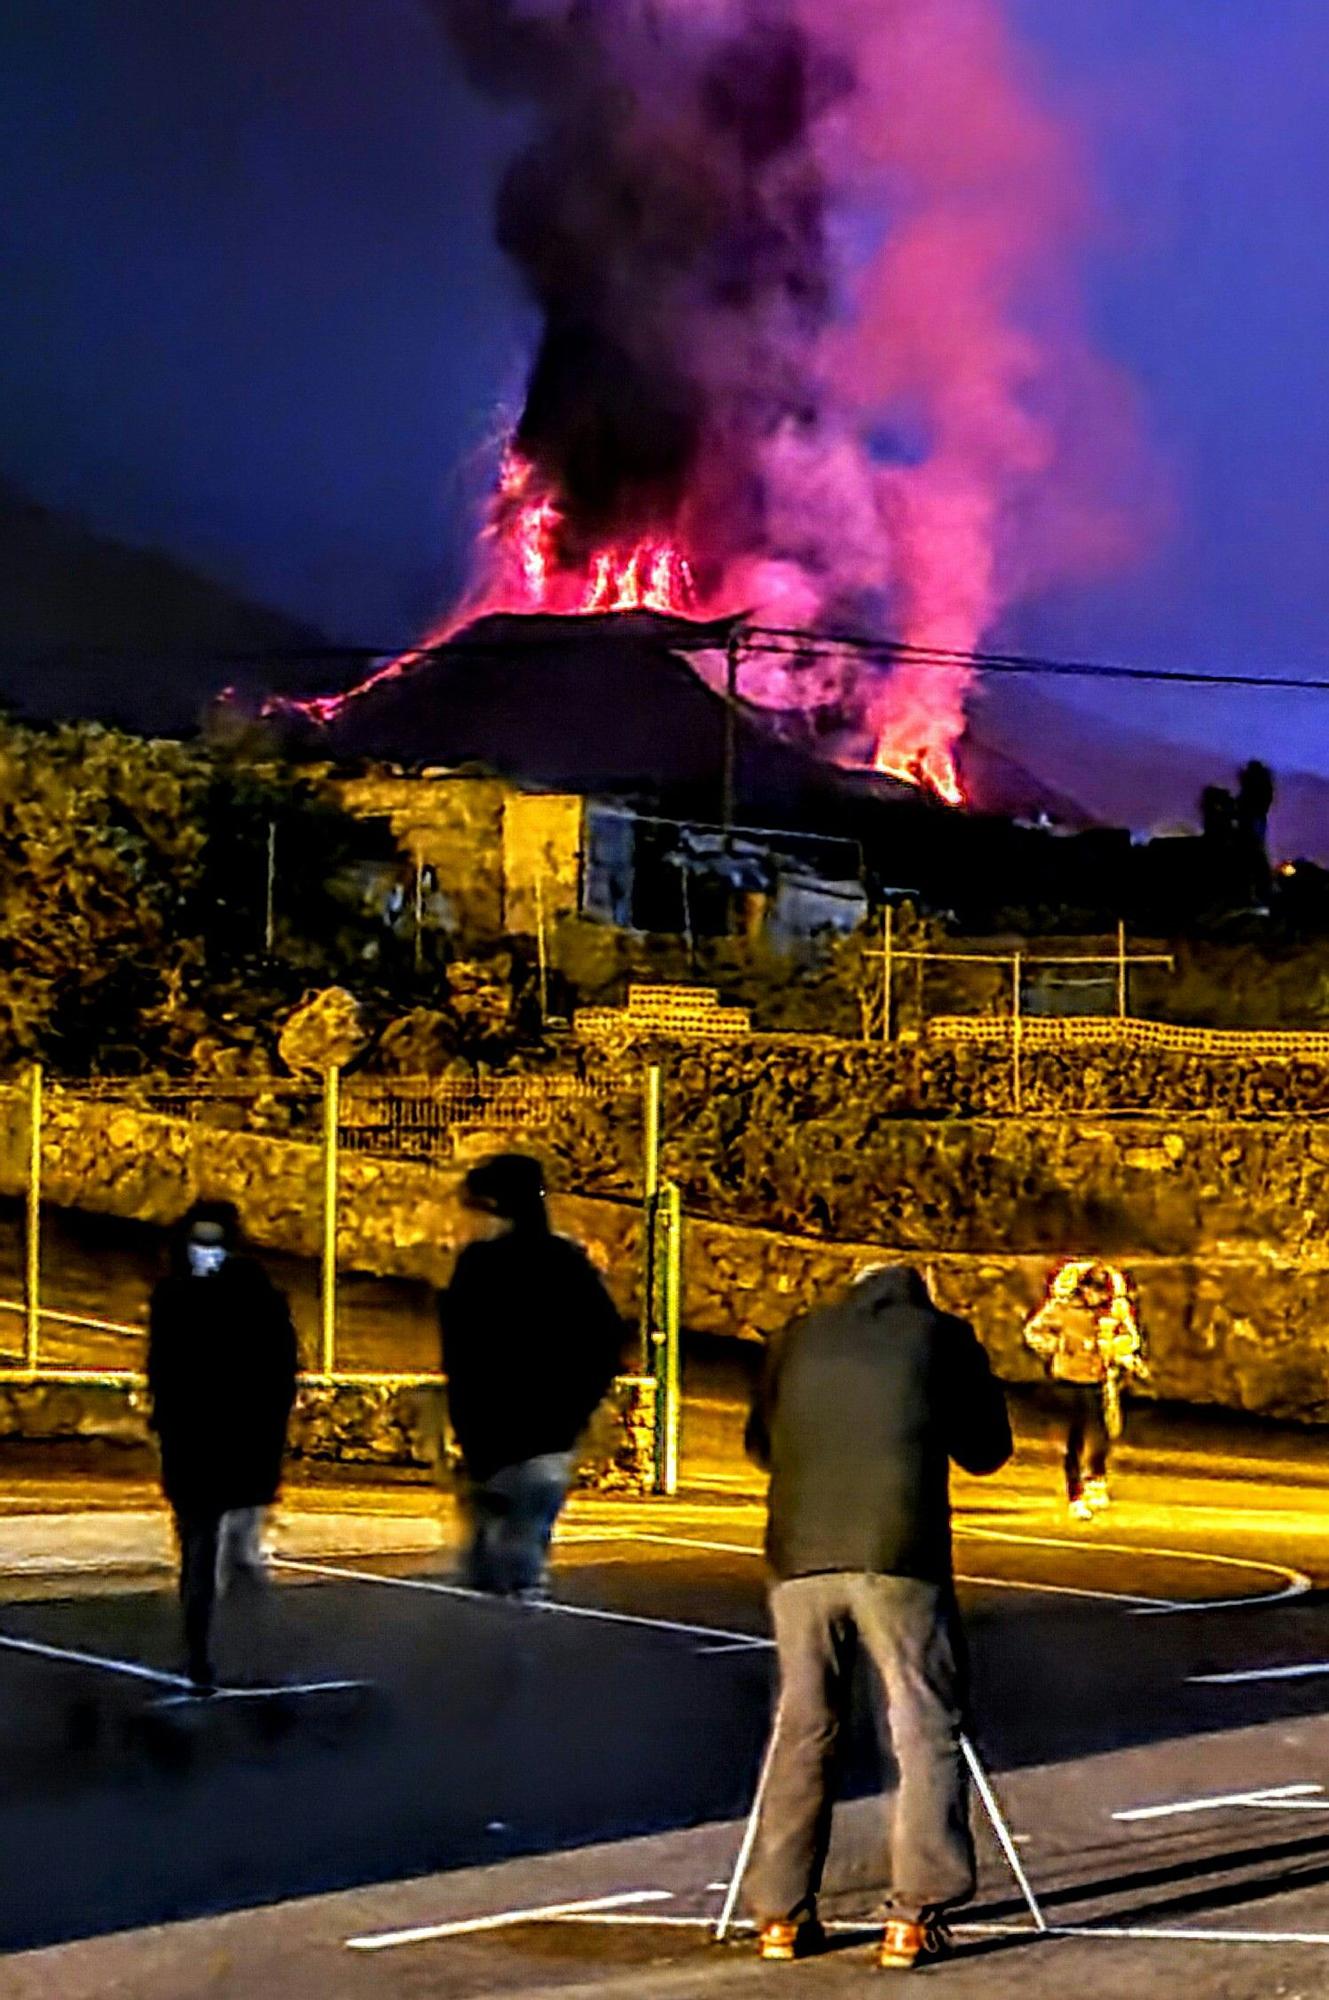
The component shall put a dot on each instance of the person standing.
(861, 1408)
(221, 1378)
(531, 1342)
(1087, 1335)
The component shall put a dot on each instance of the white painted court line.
(1295, 1582)
(128, 1669)
(1297, 1587)
(550, 1605)
(1148, 1934)
(844, 1925)
(990, 1582)
(1066, 1590)
(1285, 1798)
(656, 1538)
(503, 1919)
(866, 1925)
(207, 1697)
(1306, 1671)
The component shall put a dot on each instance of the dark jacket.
(859, 1412)
(221, 1375)
(531, 1342)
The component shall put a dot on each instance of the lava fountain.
(528, 566)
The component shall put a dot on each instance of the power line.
(790, 644)
(570, 632)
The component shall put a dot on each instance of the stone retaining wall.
(1232, 1315)
(345, 1424)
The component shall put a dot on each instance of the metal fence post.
(1121, 970)
(666, 1326)
(541, 950)
(32, 1312)
(328, 1267)
(887, 971)
(270, 891)
(650, 1187)
(1017, 1032)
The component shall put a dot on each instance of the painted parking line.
(549, 1606)
(1307, 1670)
(504, 1920)
(1275, 1798)
(127, 1669)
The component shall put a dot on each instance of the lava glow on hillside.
(525, 567)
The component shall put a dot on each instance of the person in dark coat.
(531, 1342)
(861, 1410)
(221, 1376)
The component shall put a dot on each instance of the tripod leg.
(1002, 1831)
(749, 1838)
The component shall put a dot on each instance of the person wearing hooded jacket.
(861, 1409)
(531, 1342)
(221, 1377)
(1087, 1335)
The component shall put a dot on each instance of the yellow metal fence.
(406, 1118)
(1086, 1031)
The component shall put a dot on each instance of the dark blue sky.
(260, 321)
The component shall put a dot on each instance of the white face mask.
(205, 1259)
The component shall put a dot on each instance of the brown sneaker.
(903, 1943)
(786, 1939)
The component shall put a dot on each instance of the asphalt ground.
(400, 1757)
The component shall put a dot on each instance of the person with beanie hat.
(531, 1342)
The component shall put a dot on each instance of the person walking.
(1087, 1335)
(860, 1410)
(531, 1342)
(221, 1379)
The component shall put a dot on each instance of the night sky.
(256, 317)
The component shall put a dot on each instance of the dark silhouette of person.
(221, 1376)
(861, 1409)
(531, 1342)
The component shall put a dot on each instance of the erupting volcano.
(811, 345)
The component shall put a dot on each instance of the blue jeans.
(510, 1519)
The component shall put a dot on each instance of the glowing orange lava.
(529, 570)
(654, 577)
(932, 770)
(529, 567)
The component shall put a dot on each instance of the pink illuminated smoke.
(813, 342)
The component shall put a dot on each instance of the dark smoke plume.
(669, 219)
(810, 312)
